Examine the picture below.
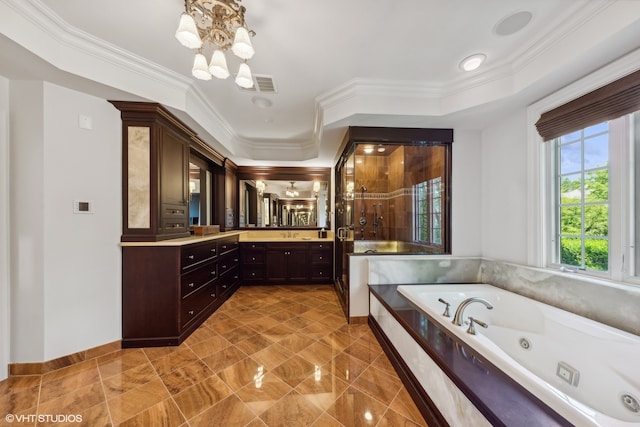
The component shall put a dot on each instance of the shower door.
(344, 205)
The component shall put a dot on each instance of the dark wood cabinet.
(287, 262)
(321, 259)
(155, 173)
(169, 290)
(253, 257)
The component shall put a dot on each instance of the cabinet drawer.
(194, 280)
(195, 254)
(320, 257)
(173, 217)
(225, 246)
(253, 272)
(321, 272)
(253, 257)
(193, 305)
(318, 246)
(229, 280)
(227, 263)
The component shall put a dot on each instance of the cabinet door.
(174, 160)
(298, 263)
(277, 264)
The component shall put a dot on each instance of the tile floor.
(270, 356)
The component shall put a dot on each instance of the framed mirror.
(284, 197)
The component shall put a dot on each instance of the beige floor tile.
(270, 356)
(195, 399)
(293, 410)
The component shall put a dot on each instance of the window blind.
(606, 103)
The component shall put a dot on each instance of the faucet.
(457, 318)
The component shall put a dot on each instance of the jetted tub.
(586, 371)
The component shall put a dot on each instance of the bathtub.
(586, 371)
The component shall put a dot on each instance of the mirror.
(200, 195)
(274, 203)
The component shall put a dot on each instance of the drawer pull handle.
(253, 274)
(213, 273)
(191, 285)
(320, 257)
(213, 295)
(224, 246)
(224, 286)
(191, 257)
(213, 250)
(235, 260)
(321, 273)
(253, 258)
(191, 312)
(224, 266)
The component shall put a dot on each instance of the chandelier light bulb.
(218, 65)
(200, 69)
(244, 79)
(187, 32)
(242, 47)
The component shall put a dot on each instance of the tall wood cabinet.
(155, 166)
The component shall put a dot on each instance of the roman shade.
(606, 103)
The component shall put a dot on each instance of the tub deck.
(498, 397)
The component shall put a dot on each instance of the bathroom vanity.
(170, 287)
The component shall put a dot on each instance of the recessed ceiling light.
(381, 149)
(368, 150)
(513, 23)
(472, 62)
(261, 102)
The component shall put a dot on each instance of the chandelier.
(220, 24)
(291, 191)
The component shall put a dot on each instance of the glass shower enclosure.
(392, 195)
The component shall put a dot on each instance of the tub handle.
(446, 308)
(472, 330)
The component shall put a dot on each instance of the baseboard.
(358, 320)
(40, 368)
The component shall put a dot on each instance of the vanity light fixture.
(472, 62)
(260, 186)
(217, 26)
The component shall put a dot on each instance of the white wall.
(504, 189)
(66, 268)
(26, 237)
(466, 221)
(4, 229)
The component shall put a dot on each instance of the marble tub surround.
(270, 356)
(429, 269)
(606, 302)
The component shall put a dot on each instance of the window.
(428, 211)
(593, 198)
(582, 198)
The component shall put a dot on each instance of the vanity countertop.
(243, 236)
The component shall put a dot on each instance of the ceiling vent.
(262, 84)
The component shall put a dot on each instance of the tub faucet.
(457, 318)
